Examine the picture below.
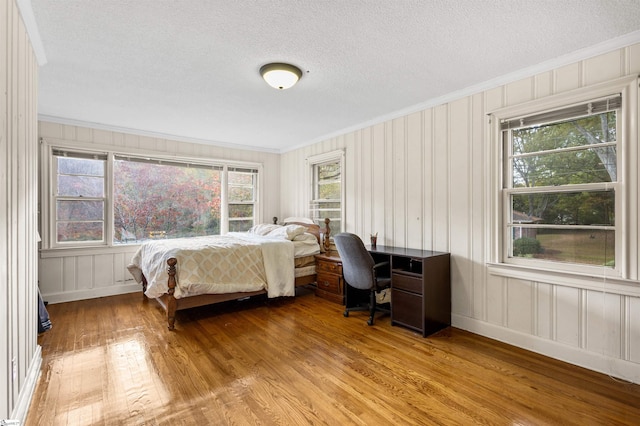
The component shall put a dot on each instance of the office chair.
(359, 271)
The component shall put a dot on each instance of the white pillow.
(298, 220)
(263, 228)
(288, 232)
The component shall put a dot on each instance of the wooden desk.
(420, 287)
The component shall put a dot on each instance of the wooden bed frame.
(171, 305)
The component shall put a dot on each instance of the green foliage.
(525, 246)
(566, 153)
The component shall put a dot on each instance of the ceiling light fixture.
(280, 76)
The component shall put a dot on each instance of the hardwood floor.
(112, 361)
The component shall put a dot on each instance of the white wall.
(424, 181)
(20, 356)
(75, 274)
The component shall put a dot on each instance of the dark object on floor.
(44, 323)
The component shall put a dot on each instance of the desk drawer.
(330, 267)
(406, 309)
(408, 283)
(330, 283)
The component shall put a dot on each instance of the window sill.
(601, 283)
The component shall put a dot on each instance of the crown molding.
(158, 135)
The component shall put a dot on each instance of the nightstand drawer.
(330, 267)
(329, 282)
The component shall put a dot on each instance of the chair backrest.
(357, 263)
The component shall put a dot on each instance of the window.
(562, 193)
(243, 185)
(151, 198)
(79, 197)
(159, 199)
(327, 189)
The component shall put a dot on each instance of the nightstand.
(329, 281)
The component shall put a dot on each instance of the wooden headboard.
(312, 228)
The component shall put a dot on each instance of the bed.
(269, 259)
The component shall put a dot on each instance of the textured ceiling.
(189, 69)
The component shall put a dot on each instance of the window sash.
(319, 207)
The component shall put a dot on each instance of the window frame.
(312, 163)
(49, 180)
(626, 186)
(256, 188)
(80, 154)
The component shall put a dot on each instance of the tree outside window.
(155, 200)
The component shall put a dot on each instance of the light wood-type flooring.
(298, 361)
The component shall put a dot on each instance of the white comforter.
(236, 262)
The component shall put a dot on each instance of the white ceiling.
(189, 69)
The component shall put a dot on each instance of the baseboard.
(614, 367)
(91, 293)
(25, 396)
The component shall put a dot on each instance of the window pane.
(564, 208)
(329, 171)
(240, 210)
(167, 201)
(79, 231)
(590, 165)
(591, 247)
(329, 191)
(80, 166)
(555, 165)
(240, 193)
(240, 225)
(80, 186)
(239, 178)
(328, 183)
(80, 210)
(600, 128)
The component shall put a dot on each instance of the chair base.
(356, 300)
(368, 309)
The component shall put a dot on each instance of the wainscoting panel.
(75, 277)
(603, 319)
(631, 330)
(520, 305)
